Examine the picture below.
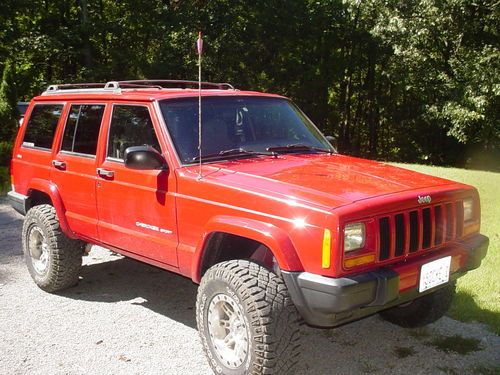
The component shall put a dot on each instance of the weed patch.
(4, 180)
(419, 333)
(403, 352)
(456, 344)
(485, 370)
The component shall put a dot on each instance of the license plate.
(434, 273)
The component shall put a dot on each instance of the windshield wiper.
(298, 147)
(232, 153)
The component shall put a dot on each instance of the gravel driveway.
(125, 317)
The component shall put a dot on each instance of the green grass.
(448, 370)
(419, 333)
(478, 293)
(456, 344)
(403, 351)
(485, 370)
(4, 180)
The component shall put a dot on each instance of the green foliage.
(4, 180)
(5, 153)
(8, 108)
(414, 81)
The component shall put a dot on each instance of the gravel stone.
(125, 317)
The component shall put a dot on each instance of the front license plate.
(434, 273)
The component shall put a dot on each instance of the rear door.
(136, 208)
(74, 166)
(33, 152)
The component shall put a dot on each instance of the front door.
(136, 208)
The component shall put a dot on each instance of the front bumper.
(327, 302)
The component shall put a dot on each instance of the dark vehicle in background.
(21, 107)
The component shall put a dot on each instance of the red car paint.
(284, 202)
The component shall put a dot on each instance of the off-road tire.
(64, 259)
(273, 321)
(422, 311)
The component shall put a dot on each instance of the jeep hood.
(326, 180)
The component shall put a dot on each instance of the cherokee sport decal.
(152, 227)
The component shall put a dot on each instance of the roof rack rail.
(133, 84)
(175, 83)
(81, 87)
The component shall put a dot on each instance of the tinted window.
(42, 125)
(82, 128)
(130, 126)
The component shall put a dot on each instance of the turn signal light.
(358, 261)
(327, 241)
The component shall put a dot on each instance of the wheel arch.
(45, 192)
(270, 237)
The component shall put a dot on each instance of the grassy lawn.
(478, 293)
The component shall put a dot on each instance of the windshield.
(239, 125)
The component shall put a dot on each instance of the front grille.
(419, 229)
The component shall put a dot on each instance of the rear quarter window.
(42, 126)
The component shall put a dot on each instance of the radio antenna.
(199, 46)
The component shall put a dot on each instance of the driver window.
(131, 125)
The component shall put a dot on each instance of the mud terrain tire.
(53, 260)
(245, 297)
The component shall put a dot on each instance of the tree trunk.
(84, 16)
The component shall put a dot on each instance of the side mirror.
(144, 158)
(332, 140)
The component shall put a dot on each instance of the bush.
(5, 153)
(8, 108)
(4, 180)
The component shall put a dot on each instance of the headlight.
(468, 209)
(354, 236)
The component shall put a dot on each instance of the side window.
(130, 126)
(42, 125)
(82, 128)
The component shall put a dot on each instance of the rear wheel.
(423, 310)
(246, 320)
(53, 260)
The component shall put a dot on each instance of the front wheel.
(423, 310)
(246, 320)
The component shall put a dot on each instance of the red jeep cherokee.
(271, 221)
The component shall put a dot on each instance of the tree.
(8, 104)
(413, 81)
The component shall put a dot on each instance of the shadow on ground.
(123, 279)
(470, 311)
(10, 239)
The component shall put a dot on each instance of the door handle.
(105, 173)
(59, 164)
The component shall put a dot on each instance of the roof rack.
(114, 86)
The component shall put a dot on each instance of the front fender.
(269, 235)
(51, 190)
